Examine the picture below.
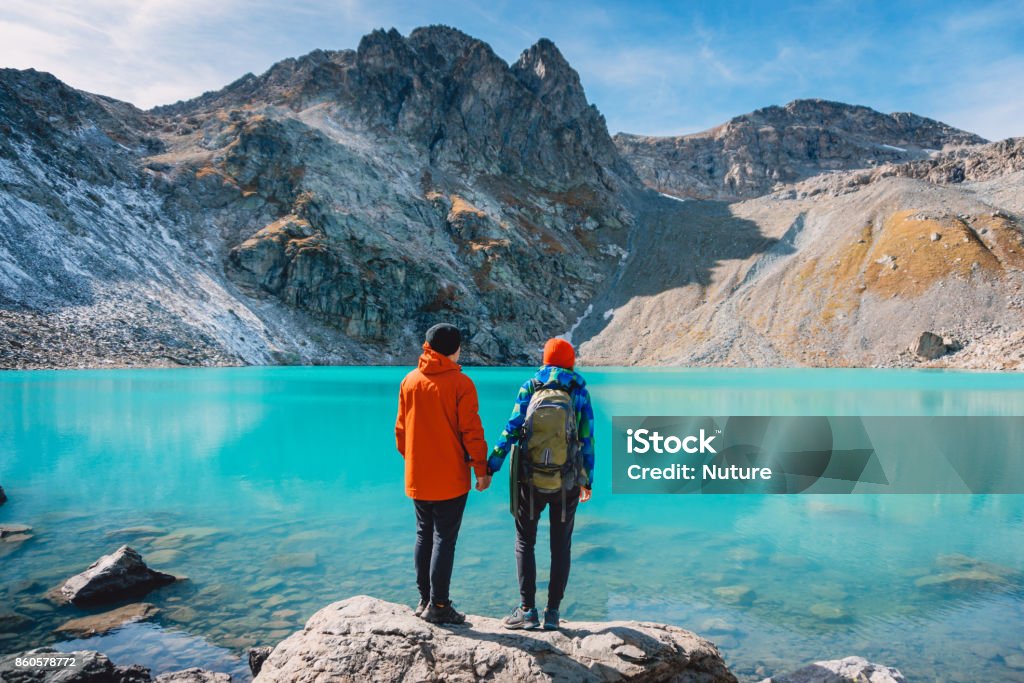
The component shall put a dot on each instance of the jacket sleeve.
(513, 429)
(585, 432)
(400, 421)
(470, 428)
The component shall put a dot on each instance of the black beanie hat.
(444, 338)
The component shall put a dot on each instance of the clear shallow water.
(278, 490)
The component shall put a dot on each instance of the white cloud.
(159, 51)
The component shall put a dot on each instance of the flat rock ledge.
(363, 639)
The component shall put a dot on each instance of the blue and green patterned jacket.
(577, 387)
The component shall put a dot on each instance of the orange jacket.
(438, 429)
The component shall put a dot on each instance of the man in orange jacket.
(439, 434)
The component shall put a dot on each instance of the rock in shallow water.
(117, 576)
(846, 670)
(3, 496)
(95, 624)
(363, 638)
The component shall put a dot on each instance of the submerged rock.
(827, 611)
(295, 560)
(846, 670)
(136, 531)
(735, 595)
(12, 536)
(968, 579)
(95, 624)
(12, 622)
(117, 576)
(961, 572)
(3, 496)
(363, 638)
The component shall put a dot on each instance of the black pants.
(561, 542)
(437, 529)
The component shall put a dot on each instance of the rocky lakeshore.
(163, 620)
(364, 638)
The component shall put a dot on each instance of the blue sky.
(655, 68)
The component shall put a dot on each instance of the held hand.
(584, 494)
(483, 482)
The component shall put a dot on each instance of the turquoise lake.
(278, 490)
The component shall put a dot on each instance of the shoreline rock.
(94, 667)
(846, 670)
(122, 574)
(257, 656)
(89, 666)
(363, 638)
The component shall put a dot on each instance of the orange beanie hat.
(559, 352)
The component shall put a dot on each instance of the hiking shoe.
(522, 618)
(550, 619)
(443, 615)
(421, 608)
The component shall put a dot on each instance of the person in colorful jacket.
(439, 434)
(559, 361)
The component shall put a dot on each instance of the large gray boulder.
(117, 576)
(362, 639)
(846, 670)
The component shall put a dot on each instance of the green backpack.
(550, 444)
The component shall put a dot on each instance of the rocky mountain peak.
(443, 46)
(544, 70)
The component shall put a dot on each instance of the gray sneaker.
(550, 619)
(522, 618)
(421, 608)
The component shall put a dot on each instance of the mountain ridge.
(423, 178)
(750, 154)
(328, 209)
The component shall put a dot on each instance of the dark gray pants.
(437, 530)
(561, 542)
